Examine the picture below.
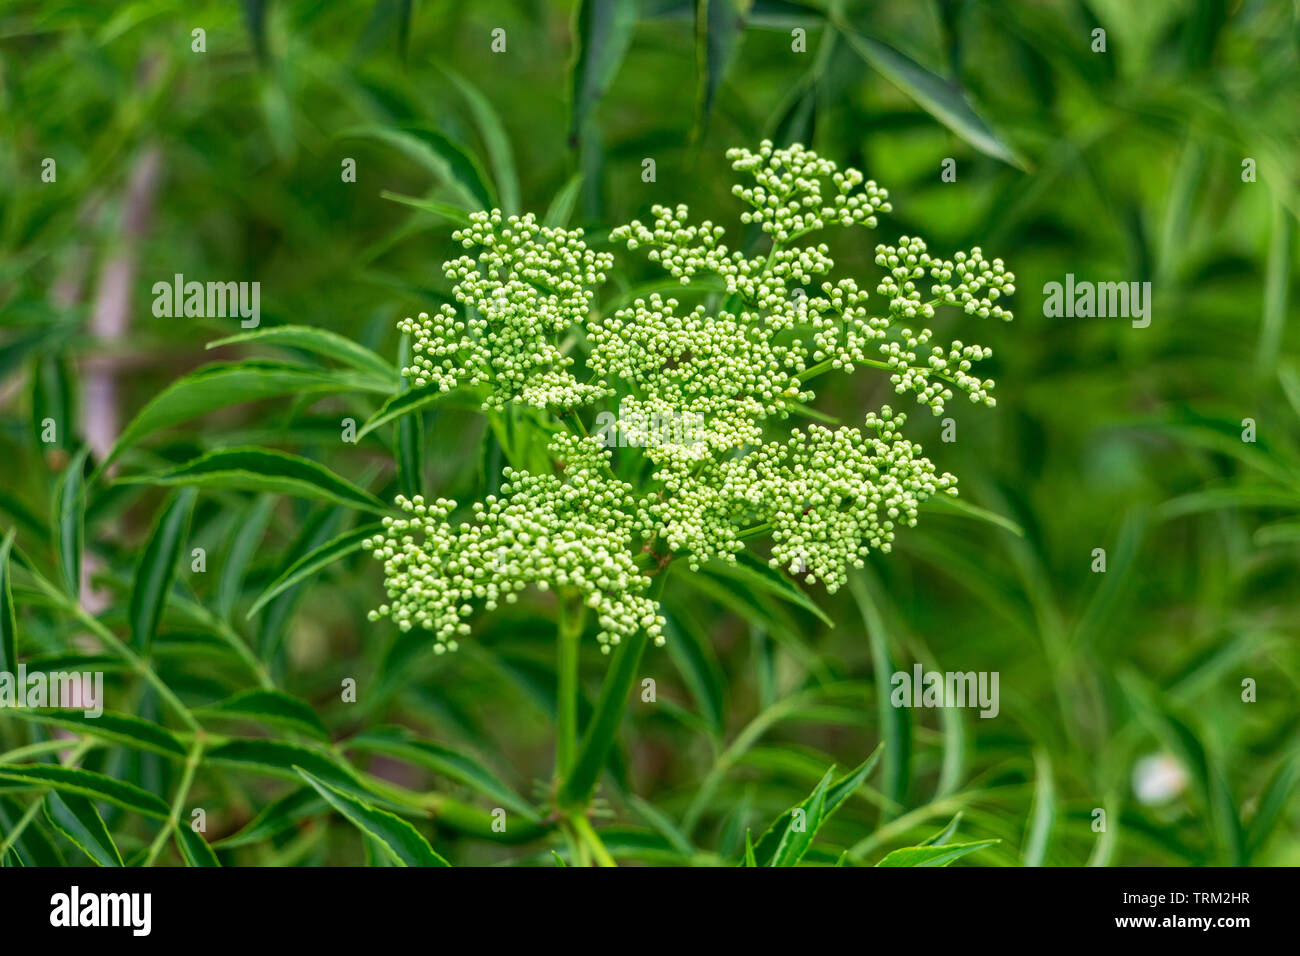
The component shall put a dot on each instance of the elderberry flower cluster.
(734, 364)
(573, 532)
(528, 284)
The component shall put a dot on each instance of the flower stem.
(566, 682)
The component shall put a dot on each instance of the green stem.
(138, 664)
(566, 683)
(182, 792)
(582, 826)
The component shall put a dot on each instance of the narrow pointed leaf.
(312, 562)
(157, 568)
(400, 841)
(261, 469)
(77, 819)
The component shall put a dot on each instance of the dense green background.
(1125, 165)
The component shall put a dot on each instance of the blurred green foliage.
(1131, 164)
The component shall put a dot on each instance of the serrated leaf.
(270, 707)
(400, 841)
(403, 745)
(194, 848)
(157, 568)
(261, 469)
(835, 796)
(222, 384)
(276, 758)
(932, 855)
(805, 820)
(77, 819)
(276, 817)
(319, 342)
(417, 398)
(115, 727)
(86, 783)
(303, 568)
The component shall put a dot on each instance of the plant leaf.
(942, 100)
(261, 469)
(8, 619)
(495, 139)
(319, 342)
(86, 783)
(602, 31)
(222, 384)
(402, 744)
(194, 848)
(451, 163)
(157, 568)
(400, 841)
(270, 707)
(932, 855)
(77, 819)
(115, 727)
(70, 522)
(313, 561)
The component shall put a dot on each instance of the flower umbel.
(824, 498)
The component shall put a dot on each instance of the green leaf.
(275, 758)
(248, 534)
(605, 720)
(932, 855)
(400, 841)
(689, 647)
(444, 209)
(222, 384)
(602, 31)
(1043, 815)
(805, 820)
(756, 574)
(272, 708)
(560, 211)
(77, 819)
(451, 163)
(194, 848)
(944, 835)
(86, 783)
(261, 469)
(115, 727)
(956, 506)
(417, 398)
(157, 568)
(313, 561)
(1271, 803)
(495, 139)
(833, 796)
(942, 100)
(319, 342)
(277, 817)
(402, 744)
(895, 722)
(8, 619)
(719, 28)
(70, 522)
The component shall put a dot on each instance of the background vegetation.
(1123, 165)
